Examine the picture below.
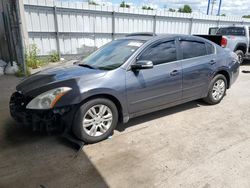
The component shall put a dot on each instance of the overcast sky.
(229, 7)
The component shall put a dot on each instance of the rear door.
(198, 61)
(149, 88)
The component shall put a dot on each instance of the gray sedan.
(128, 77)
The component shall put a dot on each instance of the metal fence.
(78, 28)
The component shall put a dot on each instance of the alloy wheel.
(240, 58)
(218, 89)
(97, 120)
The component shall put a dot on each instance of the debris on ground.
(245, 71)
(11, 69)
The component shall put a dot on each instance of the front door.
(149, 88)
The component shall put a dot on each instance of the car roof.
(162, 36)
(232, 26)
(138, 37)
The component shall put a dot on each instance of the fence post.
(57, 32)
(154, 24)
(218, 22)
(23, 34)
(113, 25)
(190, 26)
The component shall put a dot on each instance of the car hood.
(58, 76)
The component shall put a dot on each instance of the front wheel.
(217, 89)
(95, 120)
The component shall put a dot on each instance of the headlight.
(48, 99)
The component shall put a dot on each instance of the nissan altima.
(127, 77)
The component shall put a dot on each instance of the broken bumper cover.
(56, 119)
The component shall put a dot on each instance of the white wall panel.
(51, 22)
(79, 21)
(35, 21)
(83, 29)
(46, 45)
(28, 20)
(65, 22)
(73, 23)
(82, 44)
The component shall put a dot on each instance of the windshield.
(237, 31)
(112, 55)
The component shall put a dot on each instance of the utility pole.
(208, 7)
(218, 13)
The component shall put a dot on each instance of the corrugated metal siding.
(82, 27)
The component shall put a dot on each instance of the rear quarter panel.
(226, 61)
(234, 41)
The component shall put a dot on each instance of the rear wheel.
(240, 55)
(217, 89)
(95, 120)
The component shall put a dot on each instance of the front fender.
(118, 96)
(112, 84)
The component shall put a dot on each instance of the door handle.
(174, 73)
(212, 62)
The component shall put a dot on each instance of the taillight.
(223, 42)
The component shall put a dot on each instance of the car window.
(192, 49)
(159, 53)
(113, 54)
(212, 30)
(210, 48)
(237, 31)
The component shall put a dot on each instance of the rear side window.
(192, 49)
(160, 53)
(210, 48)
(237, 31)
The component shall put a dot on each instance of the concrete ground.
(190, 145)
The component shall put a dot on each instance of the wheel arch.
(242, 47)
(112, 98)
(226, 74)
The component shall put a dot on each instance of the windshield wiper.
(109, 67)
(86, 65)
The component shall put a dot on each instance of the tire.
(240, 55)
(211, 99)
(85, 112)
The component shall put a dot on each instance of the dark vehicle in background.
(128, 77)
(235, 38)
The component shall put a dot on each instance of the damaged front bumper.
(56, 119)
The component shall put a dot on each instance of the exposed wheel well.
(225, 73)
(242, 48)
(110, 97)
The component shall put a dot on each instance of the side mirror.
(142, 64)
